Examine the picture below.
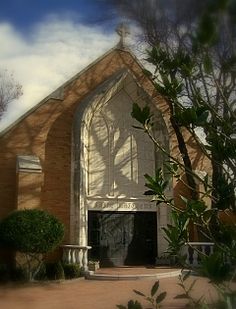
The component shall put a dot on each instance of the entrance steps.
(133, 273)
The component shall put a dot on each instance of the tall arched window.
(118, 154)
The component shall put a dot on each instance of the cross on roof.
(122, 31)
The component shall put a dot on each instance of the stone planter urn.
(162, 261)
(93, 265)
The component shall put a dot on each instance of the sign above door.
(120, 205)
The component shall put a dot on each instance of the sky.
(46, 42)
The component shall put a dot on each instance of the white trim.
(82, 120)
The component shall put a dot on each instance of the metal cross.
(122, 31)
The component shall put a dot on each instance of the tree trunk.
(187, 162)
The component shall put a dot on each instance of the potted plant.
(93, 265)
(162, 260)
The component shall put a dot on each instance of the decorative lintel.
(28, 163)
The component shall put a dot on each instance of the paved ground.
(87, 294)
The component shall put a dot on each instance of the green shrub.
(42, 273)
(4, 273)
(13, 274)
(72, 271)
(55, 271)
(18, 274)
(31, 230)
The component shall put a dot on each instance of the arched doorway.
(109, 210)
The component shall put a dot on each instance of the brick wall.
(46, 133)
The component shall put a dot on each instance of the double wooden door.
(123, 238)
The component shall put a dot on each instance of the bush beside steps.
(58, 271)
(47, 272)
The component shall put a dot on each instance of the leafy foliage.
(176, 234)
(157, 186)
(215, 267)
(72, 271)
(31, 230)
(4, 273)
(143, 116)
(154, 298)
(192, 50)
(197, 78)
(54, 271)
(188, 290)
(131, 305)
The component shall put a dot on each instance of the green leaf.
(161, 90)
(134, 305)
(137, 127)
(207, 215)
(187, 275)
(202, 118)
(160, 297)
(149, 299)
(147, 72)
(146, 113)
(141, 115)
(149, 192)
(154, 288)
(139, 293)
(181, 296)
(137, 113)
(149, 179)
(121, 307)
(192, 285)
(181, 285)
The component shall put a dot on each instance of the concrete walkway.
(88, 294)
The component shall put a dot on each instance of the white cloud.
(54, 52)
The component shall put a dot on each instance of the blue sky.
(23, 14)
(45, 42)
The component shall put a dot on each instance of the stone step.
(114, 277)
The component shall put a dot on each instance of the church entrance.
(123, 238)
(110, 158)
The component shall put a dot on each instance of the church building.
(77, 155)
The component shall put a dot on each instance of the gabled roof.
(58, 94)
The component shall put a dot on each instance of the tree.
(32, 232)
(195, 70)
(9, 90)
(219, 266)
(192, 47)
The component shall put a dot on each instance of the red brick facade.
(46, 132)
